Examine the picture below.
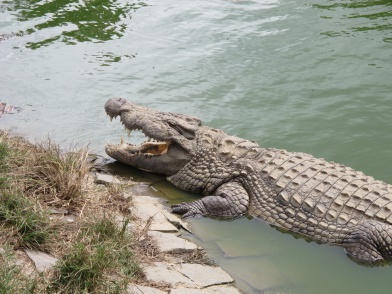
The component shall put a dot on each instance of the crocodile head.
(170, 137)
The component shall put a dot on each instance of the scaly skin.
(323, 200)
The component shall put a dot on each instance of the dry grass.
(116, 199)
(49, 202)
(145, 245)
(198, 256)
(44, 170)
(24, 223)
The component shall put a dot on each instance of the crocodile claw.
(186, 209)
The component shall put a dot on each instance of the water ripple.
(70, 21)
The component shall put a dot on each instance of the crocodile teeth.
(122, 140)
(128, 133)
(111, 118)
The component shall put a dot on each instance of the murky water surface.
(311, 76)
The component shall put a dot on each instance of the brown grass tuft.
(44, 170)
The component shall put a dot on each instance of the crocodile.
(320, 200)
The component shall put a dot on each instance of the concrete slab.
(142, 189)
(162, 272)
(221, 290)
(186, 291)
(209, 290)
(172, 218)
(24, 263)
(170, 243)
(105, 179)
(145, 199)
(204, 275)
(144, 211)
(175, 219)
(137, 289)
(42, 261)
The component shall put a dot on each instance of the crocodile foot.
(188, 210)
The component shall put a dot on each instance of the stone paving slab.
(41, 260)
(162, 272)
(204, 275)
(142, 189)
(221, 290)
(209, 290)
(136, 289)
(145, 200)
(25, 263)
(159, 221)
(145, 207)
(175, 219)
(172, 218)
(105, 179)
(170, 243)
(186, 291)
(183, 278)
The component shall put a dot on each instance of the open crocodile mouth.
(149, 148)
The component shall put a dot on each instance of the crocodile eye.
(182, 130)
(223, 195)
(121, 100)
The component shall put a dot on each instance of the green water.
(311, 76)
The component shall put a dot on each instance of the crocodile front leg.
(230, 200)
